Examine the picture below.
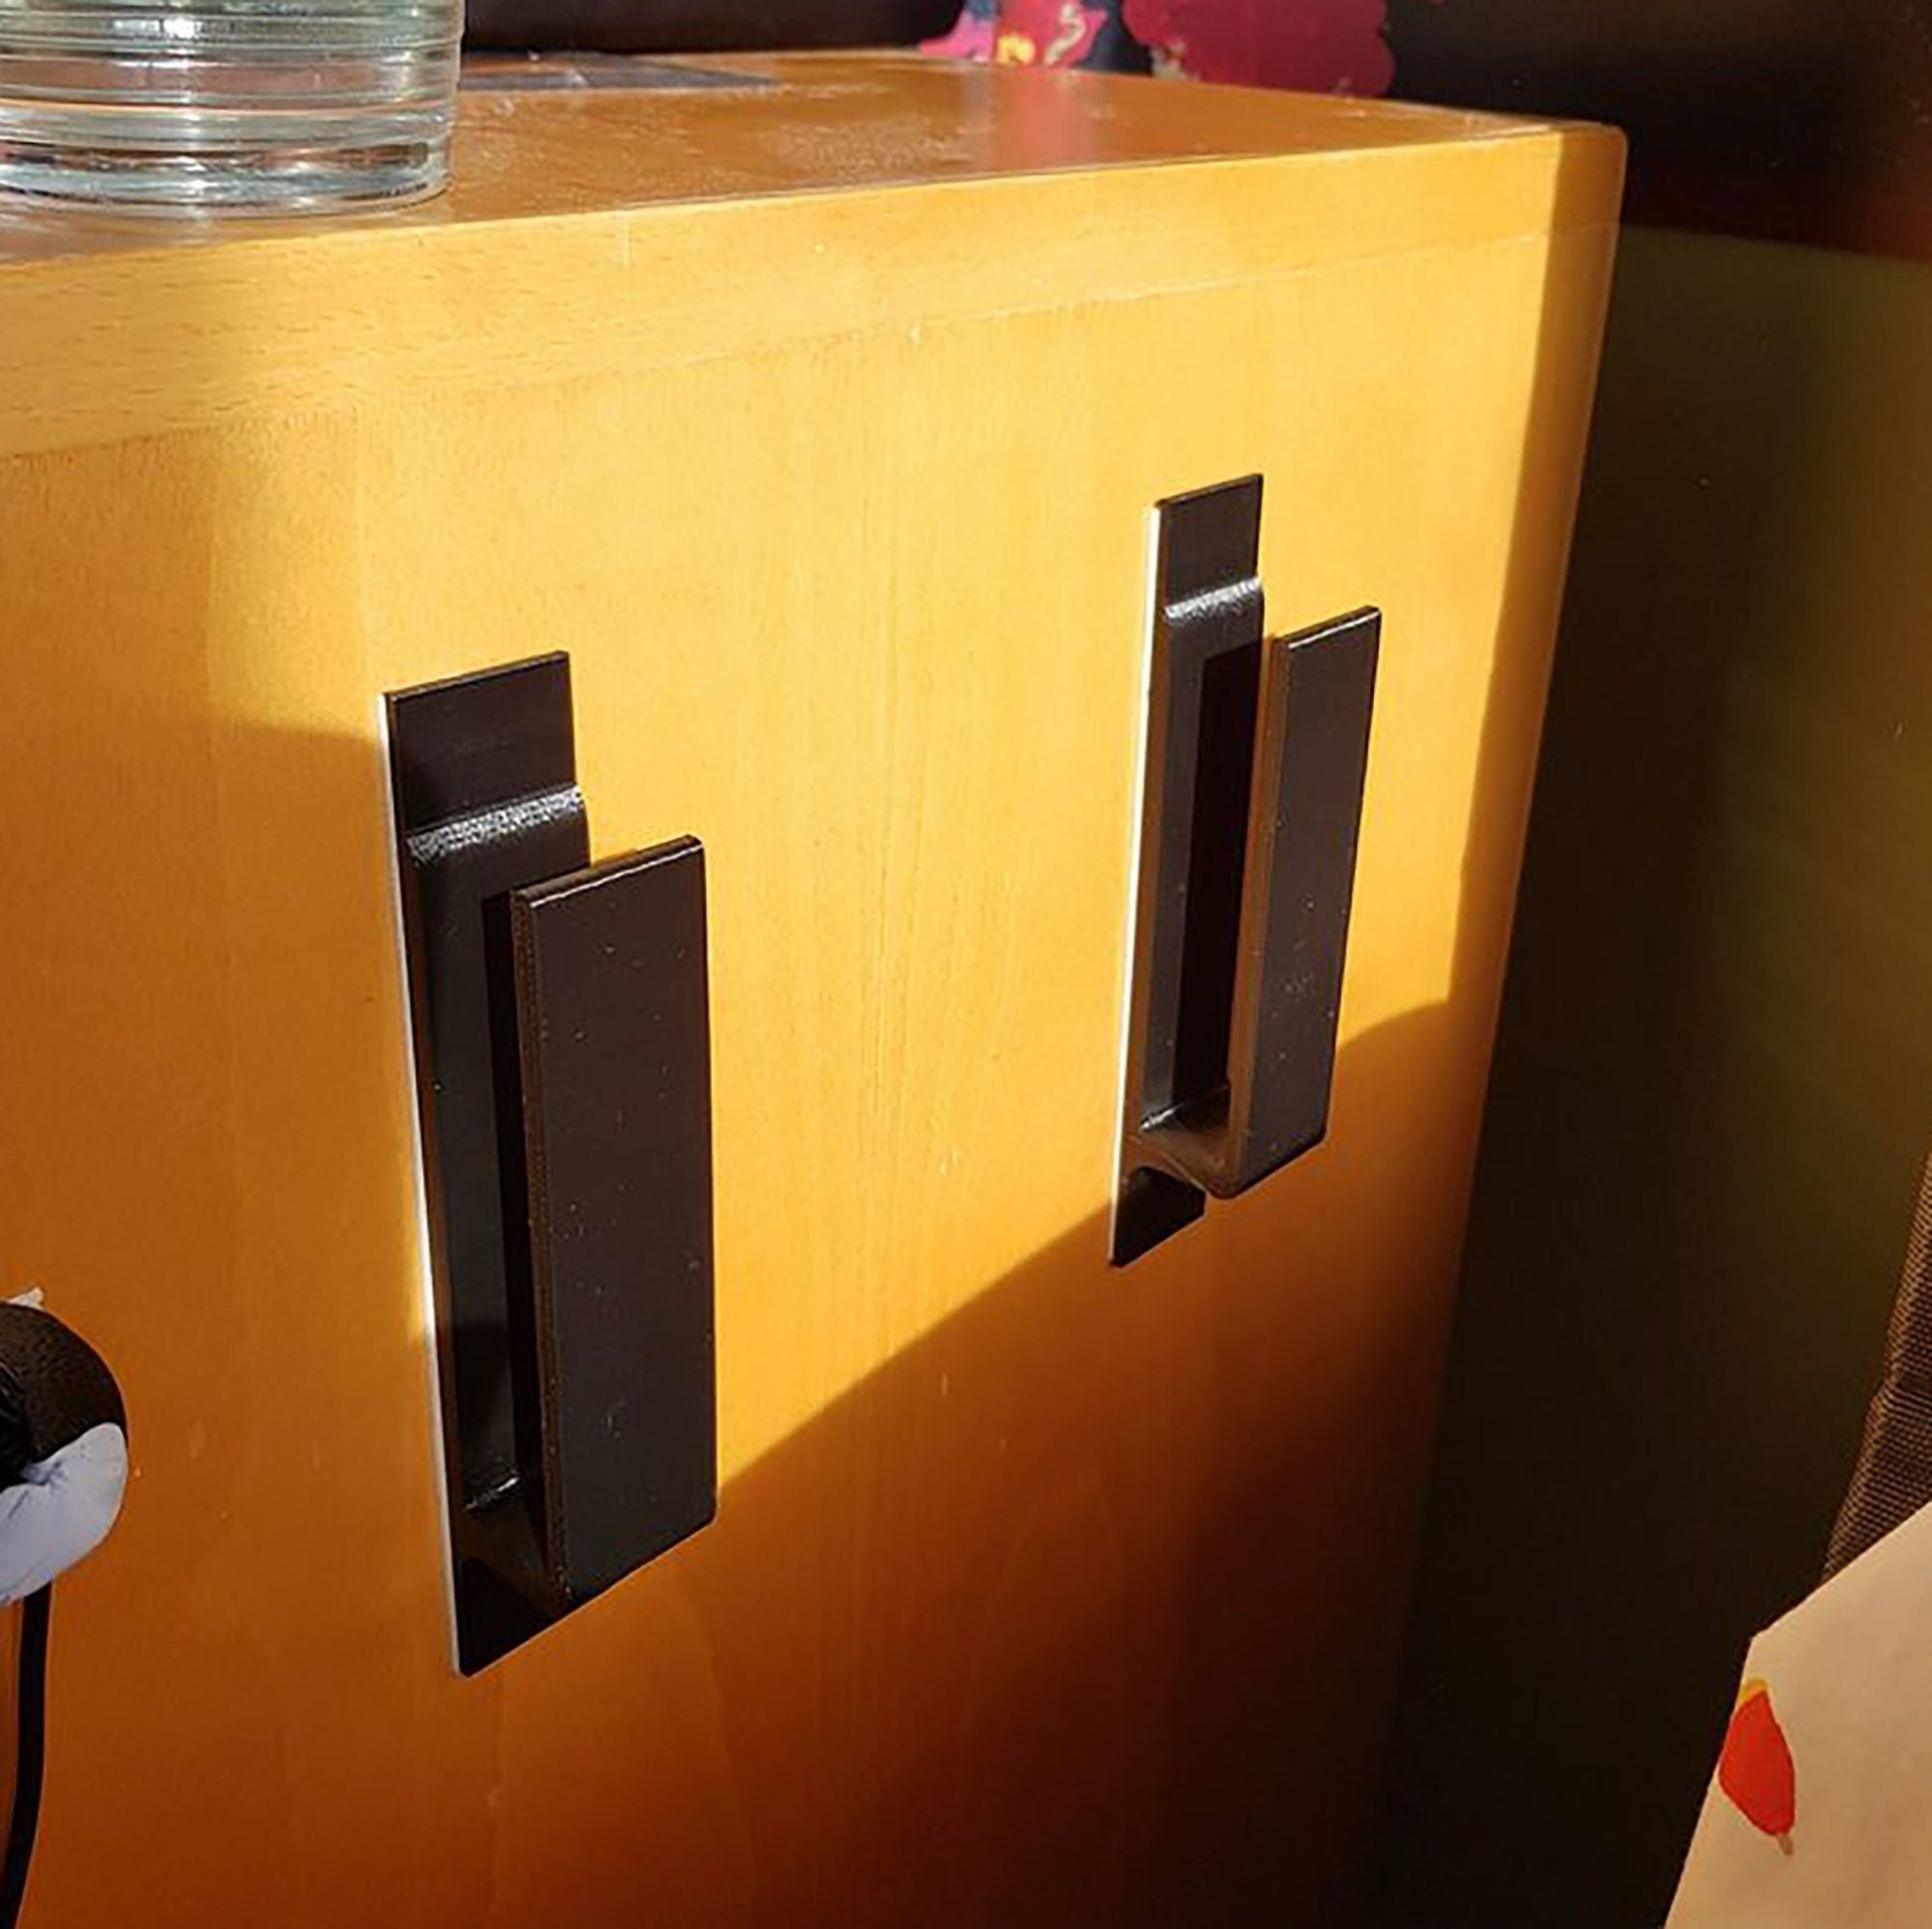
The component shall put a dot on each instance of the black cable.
(30, 1755)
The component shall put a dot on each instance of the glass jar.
(277, 105)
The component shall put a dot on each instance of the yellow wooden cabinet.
(819, 418)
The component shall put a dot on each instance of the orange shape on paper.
(1755, 1768)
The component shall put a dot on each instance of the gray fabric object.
(62, 1450)
(59, 1510)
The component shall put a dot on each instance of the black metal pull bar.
(563, 1077)
(1257, 757)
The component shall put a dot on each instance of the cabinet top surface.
(603, 229)
(758, 127)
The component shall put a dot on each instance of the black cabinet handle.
(563, 1077)
(614, 1047)
(1257, 756)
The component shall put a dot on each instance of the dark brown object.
(1893, 1477)
(1787, 120)
(53, 1387)
(703, 26)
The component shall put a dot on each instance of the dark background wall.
(1713, 1082)
(686, 26)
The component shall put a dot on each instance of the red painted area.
(1755, 1769)
(1324, 46)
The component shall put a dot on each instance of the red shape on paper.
(1755, 1769)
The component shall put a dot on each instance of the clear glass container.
(276, 106)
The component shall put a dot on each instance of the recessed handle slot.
(1257, 757)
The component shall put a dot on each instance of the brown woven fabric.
(53, 1387)
(1894, 1472)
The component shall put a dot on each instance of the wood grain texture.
(1038, 1593)
(588, 236)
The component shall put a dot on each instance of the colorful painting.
(1791, 119)
(1321, 45)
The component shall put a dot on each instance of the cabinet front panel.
(1039, 1591)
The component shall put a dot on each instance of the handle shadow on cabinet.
(563, 1078)
(1256, 758)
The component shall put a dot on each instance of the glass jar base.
(283, 179)
(203, 106)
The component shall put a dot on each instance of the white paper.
(1849, 1677)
